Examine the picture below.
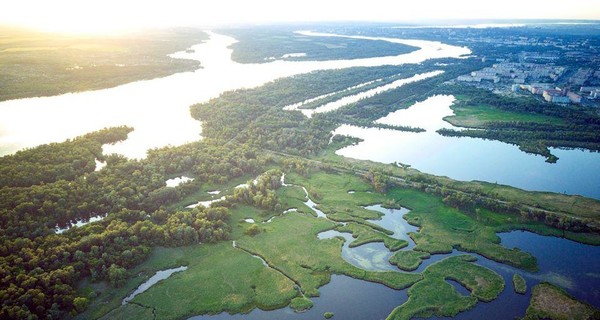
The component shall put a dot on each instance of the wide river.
(159, 109)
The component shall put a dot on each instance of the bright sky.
(111, 15)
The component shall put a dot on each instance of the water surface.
(469, 158)
(153, 107)
(158, 276)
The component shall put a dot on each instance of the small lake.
(174, 182)
(469, 158)
(370, 256)
(80, 223)
(158, 276)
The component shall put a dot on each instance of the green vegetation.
(328, 315)
(435, 296)
(478, 116)
(531, 124)
(290, 243)
(551, 302)
(444, 228)
(225, 271)
(366, 234)
(408, 260)
(301, 304)
(519, 284)
(43, 64)
(330, 191)
(503, 207)
(260, 45)
(134, 195)
(230, 280)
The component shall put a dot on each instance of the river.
(158, 109)
(159, 106)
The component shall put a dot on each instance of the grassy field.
(435, 296)
(43, 64)
(476, 116)
(561, 204)
(290, 243)
(551, 302)
(223, 278)
(519, 284)
(444, 228)
(219, 278)
(330, 191)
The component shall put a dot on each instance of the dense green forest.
(40, 269)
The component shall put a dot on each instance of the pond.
(393, 220)
(158, 276)
(80, 223)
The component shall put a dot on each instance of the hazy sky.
(102, 15)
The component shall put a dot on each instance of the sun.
(80, 17)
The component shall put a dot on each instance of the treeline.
(581, 128)
(367, 110)
(39, 275)
(209, 162)
(573, 115)
(258, 45)
(254, 117)
(471, 202)
(55, 161)
(40, 269)
(555, 137)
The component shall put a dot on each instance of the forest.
(40, 269)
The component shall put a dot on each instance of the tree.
(80, 304)
(116, 275)
(252, 230)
